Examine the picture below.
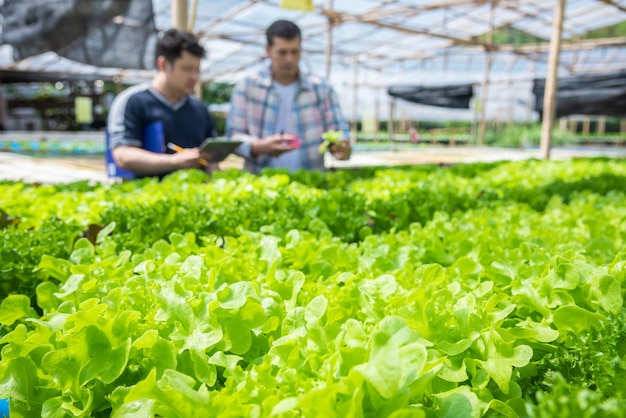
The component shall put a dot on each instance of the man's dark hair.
(283, 29)
(173, 42)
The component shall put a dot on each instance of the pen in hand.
(178, 148)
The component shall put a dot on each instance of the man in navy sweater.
(167, 106)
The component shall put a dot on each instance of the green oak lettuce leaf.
(15, 308)
(606, 291)
(575, 319)
(154, 352)
(57, 268)
(173, 395)
(88, 355)
(459, 402)
(20, 382)
(397, 357)
(501, 357)
(188, 331)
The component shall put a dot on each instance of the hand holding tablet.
(216, 150)
(211, 149)
(178, 148)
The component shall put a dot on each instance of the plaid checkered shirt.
(253, 108)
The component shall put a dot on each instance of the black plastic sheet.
(603, 94)
(455, 96)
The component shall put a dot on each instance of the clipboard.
(218, 149)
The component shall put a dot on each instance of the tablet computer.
(218, 149)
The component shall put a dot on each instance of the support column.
(355, 101)
(531, 99)
(179, 14)
(586, 125)
(601, 125)
(191, 24)
(573, 126)
(377, 110)
(549, 94)
(392, 111)
(181, 21)
(329, 37)
(485, 86)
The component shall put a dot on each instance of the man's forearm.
(144, 162)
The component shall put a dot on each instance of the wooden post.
(563, 124)
(622, 127)
(355, 100)
(180, 21)
(392, 109)
(179, 14)
(475, 110)
(601, 125)
(586, 125)
(192, 20)
(118, 85)
(4, 111)
(511, 104)
(482, 124)
(329, 38)
(530, 104)
(573, 126)
(549, 94)
(485, 86)
(376, 111)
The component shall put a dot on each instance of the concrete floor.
(56, 170)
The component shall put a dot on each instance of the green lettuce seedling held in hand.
(330, 137)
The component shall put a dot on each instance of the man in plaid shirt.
(281, 113)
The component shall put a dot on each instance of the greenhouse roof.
(401, 36)
(392, 39)
(376, 44)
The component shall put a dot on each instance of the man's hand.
(188, 158)
(273, 145)
(207, 165)
(212, 167)
(341, 150)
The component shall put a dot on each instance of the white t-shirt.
(286, 123)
